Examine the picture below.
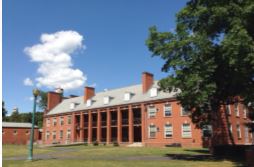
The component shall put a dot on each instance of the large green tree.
(4, 111)
(209, 56)
(43, 100)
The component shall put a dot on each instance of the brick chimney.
(88, 93)
(54, 98)
(147, 81)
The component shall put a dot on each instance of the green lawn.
(15, 150)
(109, 156)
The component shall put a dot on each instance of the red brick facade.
(15, 135)
(152, 123)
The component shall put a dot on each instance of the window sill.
(186, 137)
(152, 137)
(168, 137)
(168, 116)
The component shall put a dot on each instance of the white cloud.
(55, 63)
(28, 82)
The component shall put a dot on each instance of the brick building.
(17, 133)
(139, 113)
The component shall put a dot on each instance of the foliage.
(210, 56)
(4, 111)
(26, 117)
(43, 100)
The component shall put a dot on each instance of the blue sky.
(113, 32)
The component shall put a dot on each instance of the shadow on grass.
(204, 155)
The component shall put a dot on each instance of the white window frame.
(165, 107)
(61, 121)
(153, 92)
(236, 109)
(150, 128)
(68, 134)
(61, 132)
(228, 109)
(48, 122)
(184, 131)
(182, 109)
(245, 111)
(149, 111)
(168, 130)
(230, 127)
(238, 131)
(47, 135)
(54, 121)
(69, 120)
(54, 134)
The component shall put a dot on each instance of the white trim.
(164, 109)
(185, 136)
(171, 127)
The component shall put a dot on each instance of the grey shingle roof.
(117, 98)
(17, 125)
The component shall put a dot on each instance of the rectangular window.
(167, 110)
(236, 109)
(152, 131)
(15, 132)
(230, 127)
(68, 134)
(61, 120)
(47, 135)
(54, 121)
(228, 110)
(246, 134)
(168, 131)
(244, 112)
(184, 112)
(238, 129)
(69, 120)
(186, 130)
(61, 134)
(27, 132)
(54, 135)
(48, 122)
(151, 111)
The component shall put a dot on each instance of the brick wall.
(22, 135)
(176, 120)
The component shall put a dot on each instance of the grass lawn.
(15, 150)
(109, 156)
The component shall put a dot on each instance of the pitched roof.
(116, 98)
(17, 125)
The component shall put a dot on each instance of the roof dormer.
(153, 92)
(73, 105)
(127, 96)
(106, 99)
(89, 102)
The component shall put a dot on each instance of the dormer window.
(88, 102)
(106, 100)
(73, 105)
(127, 96)
(153, 92)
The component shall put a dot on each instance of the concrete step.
(136, 144)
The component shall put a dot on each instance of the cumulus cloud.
(53, 55)
(28, 82)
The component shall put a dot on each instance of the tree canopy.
(209, 56)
